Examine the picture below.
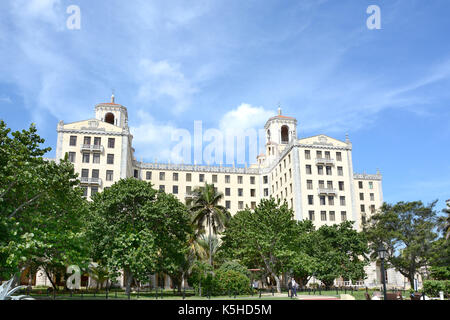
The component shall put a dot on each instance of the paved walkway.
(303, 297)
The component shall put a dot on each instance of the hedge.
(230, 282)
(432, 287)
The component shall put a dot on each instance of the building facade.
(314, 175)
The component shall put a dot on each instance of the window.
(265, 179)
(360, 184)
(241, 205)
(309, 184)
(289, 157)
(162, 176)
(201, 177)
(341, 185)
(252, 180)
(73, 142)
(330, 184)
(109, 175)
(85, 191)
(214, 178)
(320, 169)
(332, 216)
(148, 175)
(284, 163)
(321, 184)
(111, 142)
(311, 215)
(97, 141)
(323, 215)
(342, 200)
(308, 169)
(188, 190)
(318, 154)
(266, 192)
(327, 155)
(361, 196)
(175, 176)
(340, 171)
(253, 205)
(162, 188)
(87, 140)
(136, 174)
(227, 191)
(290, 173)
(228, 204)
(84, 173)
(322, 200)
(372, 197)
(370, 185)
(227, 179)
(252, 192)
(328, 170)
(85, 157)
(188, 177)
(175, 189)
(372, 208)
(240, 179)
(96, 158)
(110, 159)
(94, 190)
(331, 200)
(72, 156)
(310, 200)
(363, 208)
(343, 216)
(307, 154)
(338, 156)
(240, 192)
(95, 173)
(363, 219)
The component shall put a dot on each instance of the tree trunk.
(129, 278)
(277, 280)
(210, 244)
(50, 279)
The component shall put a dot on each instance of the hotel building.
(314, 175)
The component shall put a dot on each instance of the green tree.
(41, 207)
(406, 229)
(262, 238)
(339, 251)
(139, 230)
(205, 208)
(304, 262)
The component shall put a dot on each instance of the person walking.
(294, 287)
(290, 288)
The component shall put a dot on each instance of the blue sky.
(229, 63)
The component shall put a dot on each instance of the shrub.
(432, 287)
(235, 266)
(201, 277)
(230, 281)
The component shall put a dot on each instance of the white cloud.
(245, 116)
(159, 79)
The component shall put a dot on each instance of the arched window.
(284, 134)
(109, 117)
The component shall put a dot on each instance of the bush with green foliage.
(432, 287)
(230, 282)
(201, 276)
(235, 266)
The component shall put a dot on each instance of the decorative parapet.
(364, 176)
(193, 168)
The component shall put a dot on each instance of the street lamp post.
(382, 255)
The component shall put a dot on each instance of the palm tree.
(445, 221)
(204, 205)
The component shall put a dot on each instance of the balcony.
(91, 181)
(92, 148)
(324, 161)
(326, 191)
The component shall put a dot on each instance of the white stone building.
(314, 175)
